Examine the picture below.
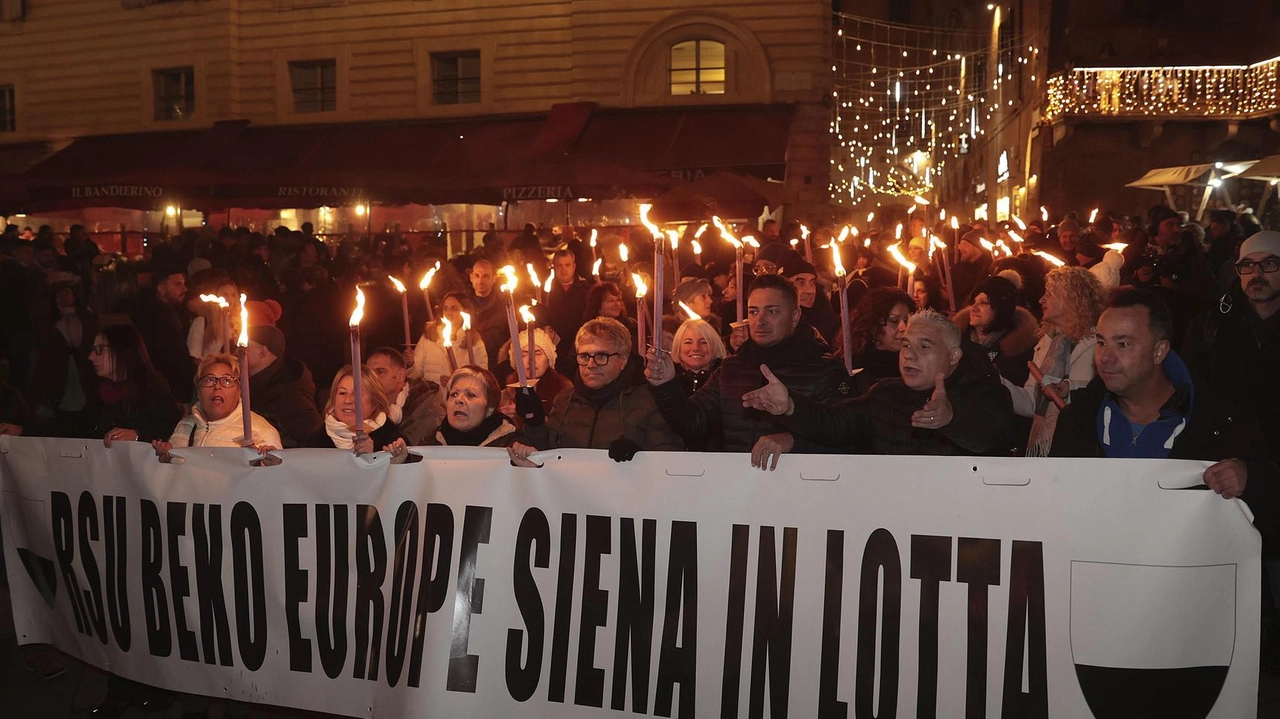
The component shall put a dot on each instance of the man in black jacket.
(281, 388)
(1143, 404)
(157, 315)
(946, 402)
(566, 305)
(799, 357)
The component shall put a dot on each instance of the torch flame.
(359, 312)
(526, 315)
(725, 233)
(897, 232)
(870, 216)
(867, 243)
(1044, 213)
(399, 285)
(595, 267)
(698, 235)
(844, 234)
(835, 258)
(546, 286)
(689, 311)
(920, 200)
(1093, 215)
(1049, 258)
(697, 246)
(1016, 237)
(533, 275)
(644, 220)
(244, 323)
(425, 282)
(896, 251)
(641, 288)
(624, 252)
(466, 321)
(1018, 221)
(794, 242)
(1116, 246)
(986, 244)
(1004, 248)
(512, 281)
(751, 240)
(674, 238)
(804, 232)
(594, 234)
(447, 335)
(216, 299)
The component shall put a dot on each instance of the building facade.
(75, 69)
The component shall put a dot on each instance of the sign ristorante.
(320, 191)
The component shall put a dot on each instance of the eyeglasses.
(225, 381)
(1268, 266)
(599, 358)
(98, 350)
(765, 269)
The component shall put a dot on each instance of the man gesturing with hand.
(945, 402)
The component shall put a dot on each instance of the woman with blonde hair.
(1072, 302)
(697, 351)
(208, 335)
(339, 430)
(431, 358)
(216, 418)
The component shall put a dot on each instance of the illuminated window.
(315, 85)
(455, 77)
(8, 114)
(697, 68)
(175, 92)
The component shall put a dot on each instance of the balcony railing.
(1222, 91)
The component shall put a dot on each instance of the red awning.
(576, 150)
(143, 171)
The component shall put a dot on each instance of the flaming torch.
(356, 371)
(527, 316)
(404, 309)
(242, 347)
(446, 340)
(842, 281)
(471, 345)
(423, 284)
(222, 304)
(641, 310)
(737, 265)
(508, 290)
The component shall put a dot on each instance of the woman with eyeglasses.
(608, 407)
(471, 417)
(132, 401)
(877, 324)
(215, 419)
(378, 432)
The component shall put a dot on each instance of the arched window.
(697, 68)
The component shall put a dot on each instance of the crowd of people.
(1122, 336)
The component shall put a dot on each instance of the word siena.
(399, 584)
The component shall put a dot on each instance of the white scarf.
(343, 436)
(396, 410)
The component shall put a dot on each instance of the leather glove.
(529, 407)
(623, 450)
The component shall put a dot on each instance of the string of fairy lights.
(1215, 90)
(909, 99)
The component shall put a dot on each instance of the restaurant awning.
(1268, 168)
(725, 194)
(576, 150)
(1195, 175)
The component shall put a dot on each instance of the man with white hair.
(946, 402)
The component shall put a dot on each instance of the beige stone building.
(225, 101)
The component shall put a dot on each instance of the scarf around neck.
(476, 436)
(342, 436)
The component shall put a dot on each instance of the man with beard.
(777, 338)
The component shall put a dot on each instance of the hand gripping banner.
(672, 585)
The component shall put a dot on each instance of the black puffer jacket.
(802, 362)
(1216, 430)
(880, 421)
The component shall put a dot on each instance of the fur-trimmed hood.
(1021, 338)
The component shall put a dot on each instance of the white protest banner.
(672, 585)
